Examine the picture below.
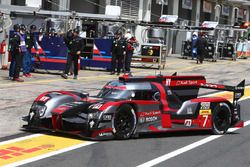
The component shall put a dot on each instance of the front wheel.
(221, 119)
(124, 122)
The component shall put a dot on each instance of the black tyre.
(221, 119)
(124, 122)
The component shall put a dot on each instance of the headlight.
(93, 119)
(41, 110)
(93, 115)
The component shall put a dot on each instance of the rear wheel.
(221, 119)
(124, 122)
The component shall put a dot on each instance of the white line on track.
(186, 148)
(19, 139)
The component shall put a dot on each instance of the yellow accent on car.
(205, 112)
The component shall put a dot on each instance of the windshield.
(114, 90)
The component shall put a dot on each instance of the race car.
(130, 106)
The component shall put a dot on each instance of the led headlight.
(93, 119)
(93, 115)
(41, 110)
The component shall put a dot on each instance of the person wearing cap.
(118, 52)
(13, 45)
(76, 47)
(17, 47)
(30, 43)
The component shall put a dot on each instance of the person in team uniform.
(131, 43)
(201, 48)
(14, 38)
(76, 46)
(30, 43)
(119, 47)
(17, 47)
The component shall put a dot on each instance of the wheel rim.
(124, 122)
(221, 121)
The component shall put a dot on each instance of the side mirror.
(84, 94)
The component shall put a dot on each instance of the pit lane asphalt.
(16, 98)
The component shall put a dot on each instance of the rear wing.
(237, 90)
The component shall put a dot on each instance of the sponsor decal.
(205, 105)
(115, 87)
(96, 106)
(147, 119)
(150, 113)
(141, 120)
(188, 122)
(151, 119)
(105, 134)
(44, 99)
(186, 82)
(107, 117)
(12, 152)
(209, 85)
(205, 112)
(168, 81)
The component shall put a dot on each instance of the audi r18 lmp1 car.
(130, 106)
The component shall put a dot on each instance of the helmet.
(76, 30)
(33, 27)
(16, 27)
(22, 27)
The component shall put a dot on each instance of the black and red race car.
(133, 105)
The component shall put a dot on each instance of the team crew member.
(118, 52)
(68, 42)
(194, 41)
(16, 29)
(131, 42)
(201, 48)
(30, 43)
(17, 44)
(76, 46)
